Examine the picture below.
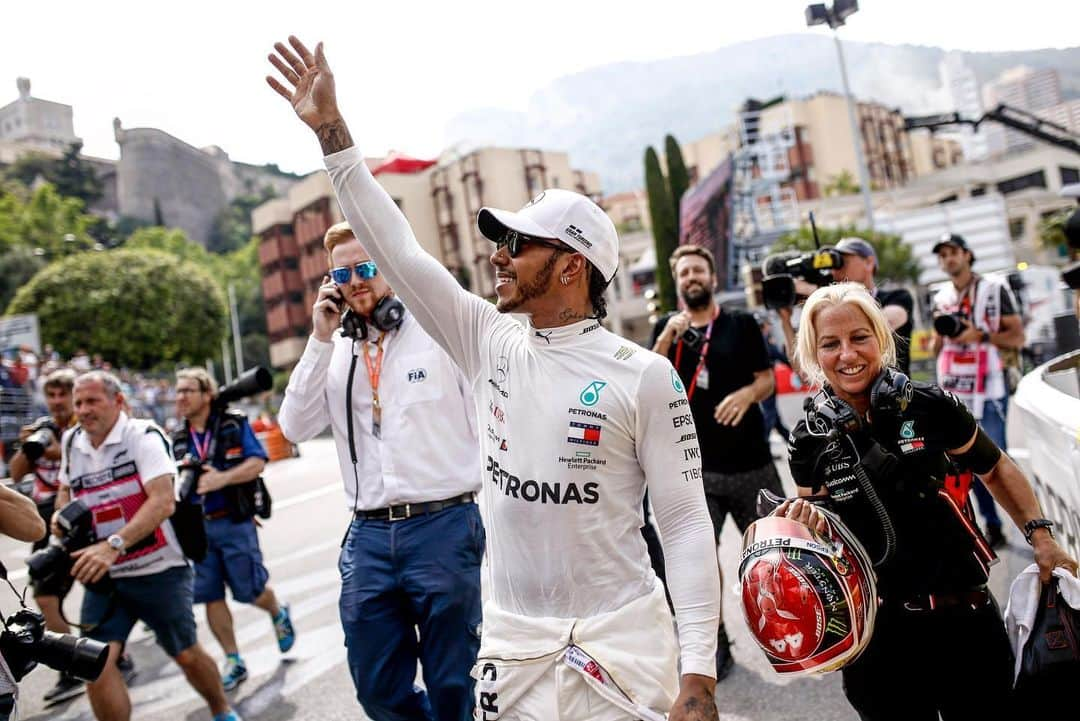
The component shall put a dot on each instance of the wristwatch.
(116, 543)
(1033, 525)
(986, 336)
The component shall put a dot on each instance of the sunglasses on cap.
(514, 241)
(364, 271)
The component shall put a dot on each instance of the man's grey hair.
(108, 381)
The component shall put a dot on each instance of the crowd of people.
(571, 437)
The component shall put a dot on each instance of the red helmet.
(809, 599)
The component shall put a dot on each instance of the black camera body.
(950, 325)
(76, 522)
(693, 338)
(188, 471)
(44, 433)
(25, 643)
(780, 270)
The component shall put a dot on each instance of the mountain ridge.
(606, 116)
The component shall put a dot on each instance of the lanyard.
(701, 360)
(374, 369)
(204, 446)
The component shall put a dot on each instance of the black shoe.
(127, 668)
(66, 687)
(995, 537)
(724, 660)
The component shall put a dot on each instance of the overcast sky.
(195, 69)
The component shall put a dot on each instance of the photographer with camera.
(120, 471)
(404, 423)
(39, 455)
(219, 447)
(882, 447)
(975, 319)
(854, 260)
(723, 362)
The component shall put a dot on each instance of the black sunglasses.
(514, 241)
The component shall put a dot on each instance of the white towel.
(1024, 602)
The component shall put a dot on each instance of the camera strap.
(701, 359)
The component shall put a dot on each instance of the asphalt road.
(301, 544)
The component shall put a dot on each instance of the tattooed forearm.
(334, 136)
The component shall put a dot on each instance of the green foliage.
(232, 227)
(137, 307)
(43, 219)
(841, 184)
(665, 232)
(17, 266)
(1052, 231)
(895, 261)
(75, 178)
(72, 176)
(239, 268)
(678, 177)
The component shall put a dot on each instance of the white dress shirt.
(428, 449)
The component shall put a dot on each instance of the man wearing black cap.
(860, 264)
(975, 318)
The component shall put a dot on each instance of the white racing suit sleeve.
(668, 451)
(454, 317)
(304, 413)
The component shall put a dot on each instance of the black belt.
(973, 599)
(408, 510)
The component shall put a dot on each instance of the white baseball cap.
(563, 215)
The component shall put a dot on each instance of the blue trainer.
(283, 627)
(229, 715)
(235, 673)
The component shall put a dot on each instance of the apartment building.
(440, 200)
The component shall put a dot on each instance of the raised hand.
(312, 96)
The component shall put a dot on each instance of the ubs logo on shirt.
(418, 375)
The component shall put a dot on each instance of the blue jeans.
(993, 419)
(399, 576)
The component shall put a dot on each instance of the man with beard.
(579, 423)
(723, 362)
(406, 435)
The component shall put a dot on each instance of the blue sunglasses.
(364, 271)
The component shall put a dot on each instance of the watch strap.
(116, 542)
(1035, 524)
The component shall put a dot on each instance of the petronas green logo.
(591, 394)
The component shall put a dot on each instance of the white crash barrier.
(1049, 401)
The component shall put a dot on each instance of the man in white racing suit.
(579, 422)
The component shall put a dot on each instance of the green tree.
(138, 308)
(665, 232)
(232, 227)
(17, 266)
(75, 178)
(1052, 231)
(72, 176)
(239, 268)
(678, 178)
(841, 184)
(44, 219)
(895, 261)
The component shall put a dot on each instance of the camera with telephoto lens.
(780, 270)
(25, 643)
(76, 523)
(41, 437)
(950, 325)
